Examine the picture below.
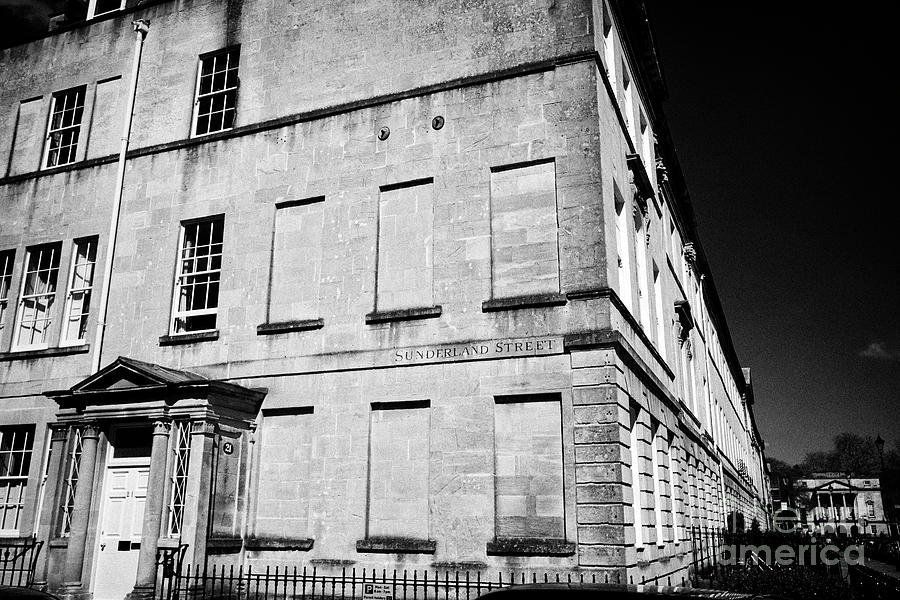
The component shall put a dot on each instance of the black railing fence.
(18, 558)
(872, 585)
(264, 583)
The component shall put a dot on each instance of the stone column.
(145, 582)
(195, 520)
(81, 513)
(52, 489)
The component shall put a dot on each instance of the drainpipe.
(141, 27)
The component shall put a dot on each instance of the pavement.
(883, 568)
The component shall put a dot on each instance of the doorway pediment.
(132, 388)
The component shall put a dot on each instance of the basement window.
(64, 127)
(199, 271)
(217, 83)
(97, 8)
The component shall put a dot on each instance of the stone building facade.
(395, 285)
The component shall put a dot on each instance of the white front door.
(120, 534)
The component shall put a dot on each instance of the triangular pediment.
(834, 484)
(127, 373)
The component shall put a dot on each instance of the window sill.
(530, 547)
(517, 302)
(224, 544)
(304, 544)
(403, 314)
(188, 338)
(62, 542)
(396, 545)
(45, 352)
(289, 326)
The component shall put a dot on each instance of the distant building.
(396, 285)
(841, 503)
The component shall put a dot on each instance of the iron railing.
(18, 558)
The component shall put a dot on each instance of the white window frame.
(180, 275)
(19, 482)
(7, 260)
(17, 330)
(196, 111)
(48, 140)
(92, 9)
(72, 291)
(623, 251)
(660, 314)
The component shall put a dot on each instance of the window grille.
(15, 463)
(68, 506)
(78, 299)
(38, 294)
(64, 127)
(217, 83)
(182, 455)
(199, 273)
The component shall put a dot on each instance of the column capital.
(90, 431)
(204, 427)
(58, 432)
(162, 426)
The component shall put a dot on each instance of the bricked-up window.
(296, 260)
(528, 467)
(78, 298)
(524, 231)
(199, 272)
(399, 455)
(6, 271)
(640, 247)
(405, 242)
(73, 458)
(65, 126)
(283, 492)
(102, 7)
(217, 84)
(15, 463)
(181, 458)
(609, 46)
(658, 308)
(38, 295)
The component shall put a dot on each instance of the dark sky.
(784, 124)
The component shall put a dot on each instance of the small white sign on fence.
(377, 591)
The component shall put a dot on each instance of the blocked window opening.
(399, 456)
(524, 230)
(405, 246)
(283, 488)
(296, 260)
(528, 467)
